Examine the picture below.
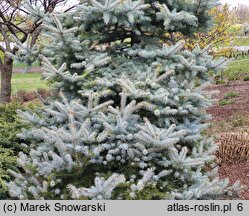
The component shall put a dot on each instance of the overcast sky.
(67, 4)
(235, 2)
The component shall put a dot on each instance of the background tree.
(242, 13)
(16, 22)
(218, 34)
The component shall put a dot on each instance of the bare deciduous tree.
(242, 13)
(14, 21)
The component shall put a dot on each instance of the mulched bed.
(240, 105)
(238, 171)
(28, 96)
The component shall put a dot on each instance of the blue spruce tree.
(128, 119)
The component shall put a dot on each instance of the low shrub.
(239, 121)
(225, 102)
(7, 161)
(231, 94)
(10, 126)
(10, 144)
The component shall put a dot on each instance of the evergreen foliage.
(10, 144)
(7, 161)
(129, 118)
(10, 126)
(217, 36)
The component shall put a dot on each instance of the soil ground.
(240, 103)
(230, 118)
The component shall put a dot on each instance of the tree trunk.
(6, 74)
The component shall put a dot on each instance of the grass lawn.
(240, 66)
(27, 81)
(18, 64)
(236, 70)
(234, 28)
(240, 41)
(236, 41)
